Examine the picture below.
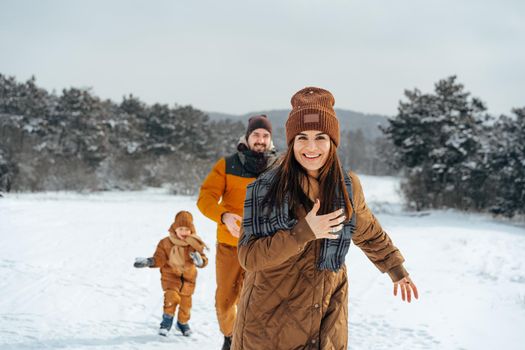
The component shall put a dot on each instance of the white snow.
(67, 281)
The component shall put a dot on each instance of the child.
(176, 256)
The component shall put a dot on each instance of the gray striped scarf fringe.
(258, 222)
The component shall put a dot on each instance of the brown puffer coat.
(287, 303)
(184, 283)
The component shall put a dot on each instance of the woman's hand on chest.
(325, 226)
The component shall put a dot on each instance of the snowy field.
(67, 281)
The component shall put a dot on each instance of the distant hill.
(348, 120)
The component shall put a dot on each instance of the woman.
(299, 220)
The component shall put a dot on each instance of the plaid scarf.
(258, 222)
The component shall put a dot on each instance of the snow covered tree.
(506, 161)
(436, 139)
(79, 116)
(126, 129)
(23, 99)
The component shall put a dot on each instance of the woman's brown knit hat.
(183, 219)
(312, 109)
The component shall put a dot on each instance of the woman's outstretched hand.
(325, 226)
(407, 288)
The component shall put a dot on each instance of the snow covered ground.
(67, 281)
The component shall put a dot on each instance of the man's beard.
(259, 147)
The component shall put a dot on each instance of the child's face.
(183, 232)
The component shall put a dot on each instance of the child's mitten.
(197, 259)
(144, 262)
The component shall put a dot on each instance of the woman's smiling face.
(311, 149)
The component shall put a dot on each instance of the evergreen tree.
(127, 126)
(79, 120)
(436, 140)
(506, 161)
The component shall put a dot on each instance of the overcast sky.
(241, 56)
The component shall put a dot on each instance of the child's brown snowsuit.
(178, 272)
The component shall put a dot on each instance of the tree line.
(77, 141)
(448, 150)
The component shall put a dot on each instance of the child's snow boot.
(184, 328)
(165, 325)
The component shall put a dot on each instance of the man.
(221, 199)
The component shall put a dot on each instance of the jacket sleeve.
(267, 252)
(160, 257)
(373, 241)
(211, 192)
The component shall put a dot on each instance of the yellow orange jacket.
(224, 190)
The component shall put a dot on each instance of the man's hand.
(230, 220)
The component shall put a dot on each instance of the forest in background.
(448, 150)
(78, 141)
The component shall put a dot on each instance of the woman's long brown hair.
(290, 175)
